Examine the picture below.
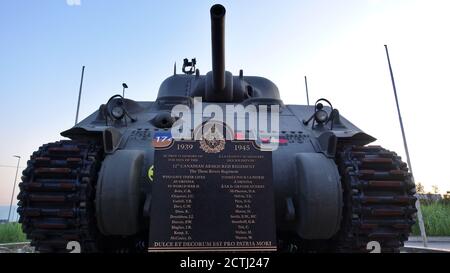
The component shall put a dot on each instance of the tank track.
(56, 202)
(379, 201)
(57, 195)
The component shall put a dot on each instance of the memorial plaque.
(212, 196)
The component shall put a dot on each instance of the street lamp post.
(14, 187)
(405, 144)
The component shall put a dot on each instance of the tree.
(419, 188)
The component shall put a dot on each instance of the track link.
(379, 201)
(57, 193)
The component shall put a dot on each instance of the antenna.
(79, 95)
(306, 86)
(175, 68)
(405, 144)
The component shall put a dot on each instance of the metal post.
(14, 187)
(405, 144)
(79, 95)
(307, 95)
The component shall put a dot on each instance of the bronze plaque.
(212, 196)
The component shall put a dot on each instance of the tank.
(313, 184)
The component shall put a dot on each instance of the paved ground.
(16, 248)
(414, 244)
(433, 242)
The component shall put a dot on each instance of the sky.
(337, 44)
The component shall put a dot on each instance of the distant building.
(3, 221)
(431, 197)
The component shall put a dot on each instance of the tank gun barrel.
(218, 46)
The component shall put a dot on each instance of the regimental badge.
(162, 139)
(212, 141)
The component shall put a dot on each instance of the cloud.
(73, 2)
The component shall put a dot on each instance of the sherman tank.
(122, 182)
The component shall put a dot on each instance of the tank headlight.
(117, 112)
(321, 116)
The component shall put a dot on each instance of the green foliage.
(11, 233)
(420, 188)
(436, 216)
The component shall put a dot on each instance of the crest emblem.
(213, 141)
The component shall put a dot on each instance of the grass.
(11, 233)
(436, 217)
